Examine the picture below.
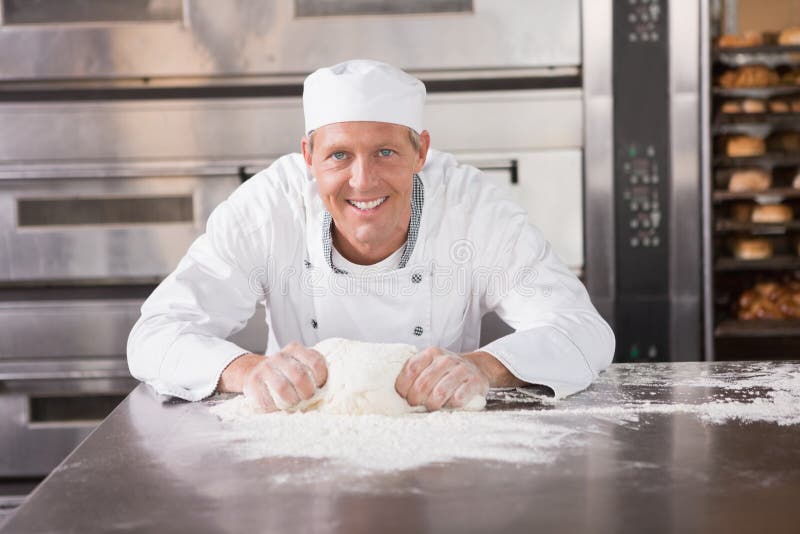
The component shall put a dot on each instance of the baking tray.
(784, 262)
(776, 194)
(758, 124)
(758, 328)
(756, 92)
(728, 225)
(770, 55)
(773, 159)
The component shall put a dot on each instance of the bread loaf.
(752, 248)
(739, 146)
(789, 36)
(738, 41)
(778, 106)
(772, 213)
(751, 105)
(749, 180)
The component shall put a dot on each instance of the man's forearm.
(233, 377)
(494, 370)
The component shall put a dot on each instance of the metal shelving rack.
(731, 338)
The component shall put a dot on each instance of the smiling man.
(369, 235)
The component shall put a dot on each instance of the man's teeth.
(367, 205)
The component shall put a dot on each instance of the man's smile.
(367, 205)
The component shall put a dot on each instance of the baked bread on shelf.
(789, 36)
(740, 146)
(772, 213)
(731, 106)
(741, 212)
(752, 248)
(796, 181)
(750, 38)
(748, 105)
(753, 105)
(749, 180)
(786, 142)
(778, 106)
(770, 300)
(749, 76)
(790, 77)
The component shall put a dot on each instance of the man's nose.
(363, 174)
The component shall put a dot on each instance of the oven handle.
(72, 374)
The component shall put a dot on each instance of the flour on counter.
(388, 443)
(756, 392)
(531, 430)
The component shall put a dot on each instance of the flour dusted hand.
(437, 378)
(286, 379)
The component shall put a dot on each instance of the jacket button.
(307, 264)
(416, 278)
(418, 331)
(314, 323)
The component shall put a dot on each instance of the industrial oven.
(122, 125)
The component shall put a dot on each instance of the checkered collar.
(417, 200)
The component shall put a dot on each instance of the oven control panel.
(641, 179)
(640, 191)
(644, 21)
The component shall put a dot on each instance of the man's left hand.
(438, 378)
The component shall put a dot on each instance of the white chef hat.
(362, 90)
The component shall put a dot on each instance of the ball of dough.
(361, 378)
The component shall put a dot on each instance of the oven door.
(180, 38)
(46, 410)
(109, 229)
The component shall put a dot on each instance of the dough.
(361, 379)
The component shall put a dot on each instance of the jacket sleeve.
(560, 340)
(179, 345)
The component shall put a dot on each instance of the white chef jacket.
(264, 240)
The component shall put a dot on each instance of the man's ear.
(424, 145)
(305, 146)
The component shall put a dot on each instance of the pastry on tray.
(750, 38)
(789, 36)
(749, 180)
(770, 300)
(749, 76)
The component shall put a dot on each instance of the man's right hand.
(278, 381)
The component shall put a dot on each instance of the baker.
(373, 236)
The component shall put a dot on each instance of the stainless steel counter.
(654, 458)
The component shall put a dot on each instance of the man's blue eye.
(338, 155)
(386, 152)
